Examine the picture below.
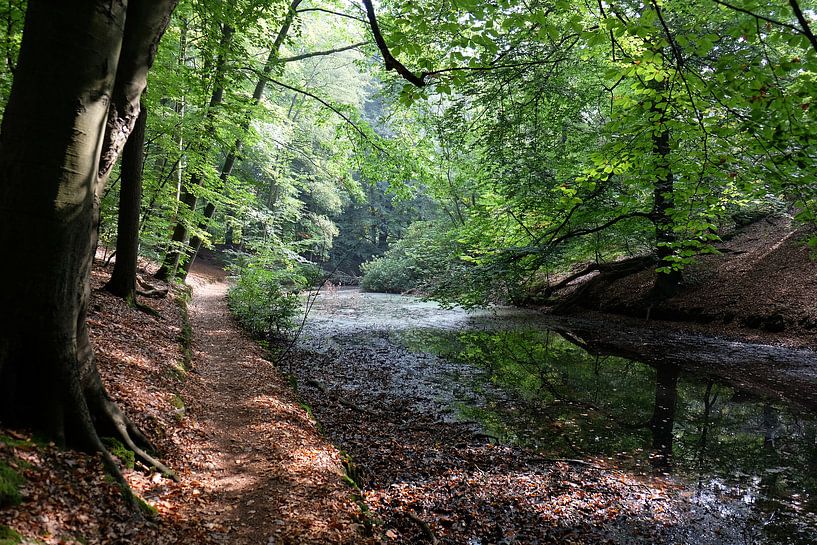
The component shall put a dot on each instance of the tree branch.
(758, 16)
(337, 13)
(321, 53)
(331, 107)
(388, 58)
(804, 23)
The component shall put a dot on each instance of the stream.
(507, 426)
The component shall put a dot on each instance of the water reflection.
(745, 452)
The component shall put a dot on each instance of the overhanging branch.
(328, 105)
(336, 13)
(321, 53)
(388, 58)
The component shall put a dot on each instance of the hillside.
(760, 287)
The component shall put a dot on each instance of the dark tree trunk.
(73, 103)
(49, 157)
(663, 416)
(666, 283)
(170, 263)
(123, 278)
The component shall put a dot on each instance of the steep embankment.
(252, 466)
(762, 287)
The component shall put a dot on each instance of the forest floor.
(252, 464)
(761, 288)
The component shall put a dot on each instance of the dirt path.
(263, 455)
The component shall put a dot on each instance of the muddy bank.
(760, 288)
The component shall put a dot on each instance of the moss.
(178, 371)
(15, 443)
(10, 482)
(146, 508)
(351, 474)
(125, 455)
(8, 536)
(308, 409)
(178, 404)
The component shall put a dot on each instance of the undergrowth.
(10, 483)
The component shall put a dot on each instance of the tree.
(123, 277)
(74, 101)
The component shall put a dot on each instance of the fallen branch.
(571, 461)
(424, 527)
(348, 404)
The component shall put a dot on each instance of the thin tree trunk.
(229, 162)
(123, 278)
(187, 198)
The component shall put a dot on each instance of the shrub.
(264, 298)
(414, 262)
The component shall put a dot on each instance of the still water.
(739, 448)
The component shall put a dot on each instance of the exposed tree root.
(127, 432)
(149, 290)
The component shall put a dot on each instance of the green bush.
(415, 262)
(264, 298)
(10, 482)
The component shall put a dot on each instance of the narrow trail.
(262, 456)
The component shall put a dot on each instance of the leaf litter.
(252, 465)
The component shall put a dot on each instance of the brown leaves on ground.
(760, 289)
(252, 466)
(430, 480)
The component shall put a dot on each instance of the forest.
(440, 271)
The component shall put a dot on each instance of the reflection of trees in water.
(613, 403)
(573, 400)
(663, 416)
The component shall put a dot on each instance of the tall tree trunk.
(123, 278)
(75, 98)
(666, 283)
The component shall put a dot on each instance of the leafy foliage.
(418, 261)
(265, 297)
